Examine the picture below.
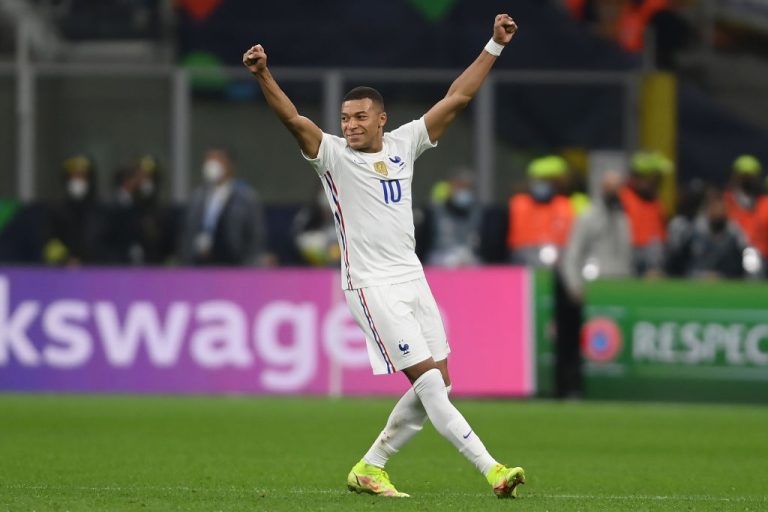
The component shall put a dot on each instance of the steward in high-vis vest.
(633, 21)
(645, 212)
(746, 205)
(540, 220)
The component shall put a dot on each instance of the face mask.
(542, 191)
(612, 202)
(213, 171)
(750, 187)
(647, 194)
(717, 225)
(744, 199)
(147, 189)
(77, 188)
(463, 199)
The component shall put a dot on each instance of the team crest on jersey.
(381, 168)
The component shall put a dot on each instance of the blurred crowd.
(622, 229)
(625, 230)
(221, 224)
(660, 26)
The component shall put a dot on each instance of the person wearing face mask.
(680, 229)
(639, 198)
(540, 219)
(455, 226)
(761, 230)
(76, 223)
(599, 246)
(156, 219)
(139, 229)
(718, 246)
(224, 223)
(745, 203)
(122, 232)
(600, 243)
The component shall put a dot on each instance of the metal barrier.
(180, 103)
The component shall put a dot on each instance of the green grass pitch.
(87, 453)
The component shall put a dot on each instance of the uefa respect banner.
(241, 331)
(666, 340)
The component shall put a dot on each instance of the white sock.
(405, 421)
(449, 421)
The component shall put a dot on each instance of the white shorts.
(401, 322)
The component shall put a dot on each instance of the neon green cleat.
(365, 478)
(505, 480)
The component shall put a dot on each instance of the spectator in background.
(122, 242)
(157, 226)
(314, 233)
(761, 235)
(657, 27)
(77, 223)
(140, 229)
(680, 229)
(717, 245)
(224, 223)
(633, 22)
(639, 198)
(455, 226)
(599, 246)
(540, 219)
(582, 10)
(634, 19)
(745, 203)
(671, 32)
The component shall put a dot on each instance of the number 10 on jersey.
(392, 191)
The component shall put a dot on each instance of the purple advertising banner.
(242, 331)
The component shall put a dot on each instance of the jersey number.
(392, 191)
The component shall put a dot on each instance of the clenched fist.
(255, 59)
(504, 28)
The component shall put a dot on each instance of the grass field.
(174, 453)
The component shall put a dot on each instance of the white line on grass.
(256, 490)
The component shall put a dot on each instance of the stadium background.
(119, 79)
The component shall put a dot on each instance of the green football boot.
(365, 478)
(505, 480)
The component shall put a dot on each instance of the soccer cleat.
(505, 480)
(365, 478)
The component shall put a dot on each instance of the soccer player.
(367, 179)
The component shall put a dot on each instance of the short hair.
(228, 151)
(363, 92)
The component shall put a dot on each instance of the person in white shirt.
(367, 178)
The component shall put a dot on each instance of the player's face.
(362, 123)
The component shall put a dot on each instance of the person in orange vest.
(745, 203)
(540, 220)
(762, 231)
(633, 22)
(647, 220)
(582, 10)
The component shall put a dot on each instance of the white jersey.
(370, 196)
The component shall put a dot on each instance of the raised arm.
(464, 88)
(307, 133)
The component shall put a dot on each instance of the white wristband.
(493, 47)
